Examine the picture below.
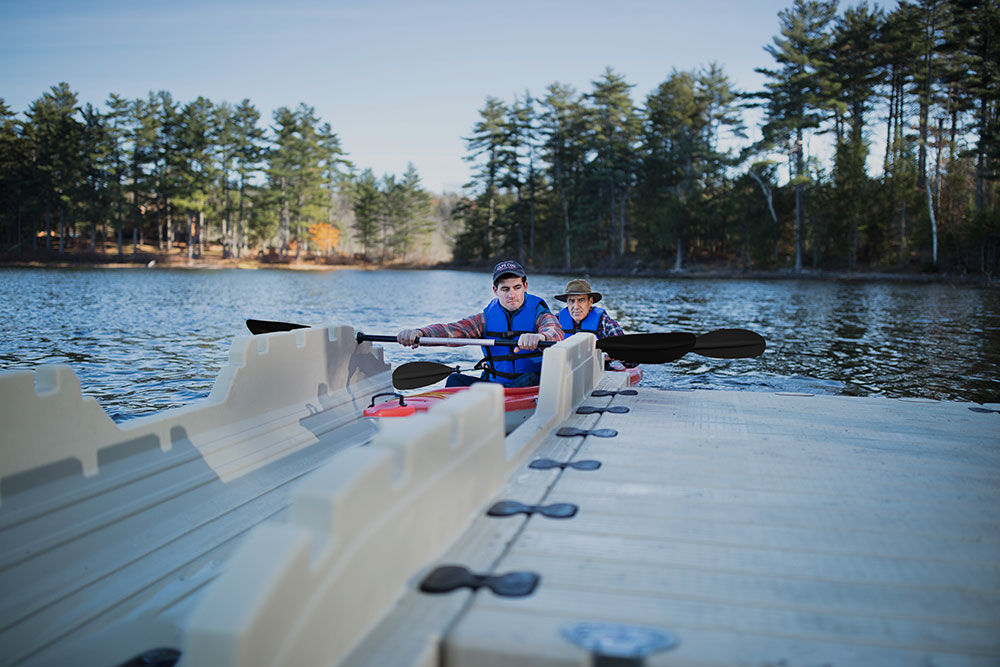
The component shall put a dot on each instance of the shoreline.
(692, 272)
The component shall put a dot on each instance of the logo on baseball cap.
(507, 267)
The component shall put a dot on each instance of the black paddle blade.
(648, 348)
(265, 326)
(730, 344)
(419, 374)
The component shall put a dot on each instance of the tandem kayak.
(519, 402)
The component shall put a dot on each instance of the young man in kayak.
(581, 315)
(514, 313)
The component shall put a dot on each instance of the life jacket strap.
(489, 370)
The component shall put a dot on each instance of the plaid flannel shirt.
(473, 326)
(607, 327)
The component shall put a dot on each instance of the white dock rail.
(307, 591)
(108, 533)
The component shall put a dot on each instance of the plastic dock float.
(661, 528)
(614, 527)
(110, 534)
(744, 528)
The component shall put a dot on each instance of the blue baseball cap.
(508, 267)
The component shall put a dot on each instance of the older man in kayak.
(514, 313)
(580, 314)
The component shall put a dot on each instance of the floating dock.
(612, 528)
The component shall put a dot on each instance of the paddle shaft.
(428, 340)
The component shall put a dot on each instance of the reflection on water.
(143, 341)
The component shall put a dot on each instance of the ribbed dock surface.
(754, 529)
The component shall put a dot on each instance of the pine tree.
(978, 36)
(144, 166)
(486, 145)
(283, 161)
(195, 168)
(392, 217)
(295, 173)
(248, 152)
(899, 55)
(684, 122)
(800, 91)
(857, 69)
(94, 202)
(225, 146)
(417, 222)
(367, 205)
(54, 134)
(310, 195)
(332, 162)
(672, 129)
(563, 127)
(118, 127)
(615, 130)
(14, 160)
(527, 115)
(517, 172)
(167, 165)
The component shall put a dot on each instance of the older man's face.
(579, 306)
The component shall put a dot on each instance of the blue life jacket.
(502, 365)
(589, 323)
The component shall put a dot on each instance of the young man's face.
(510, 292)
(579, 306)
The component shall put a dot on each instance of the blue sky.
(398, 81)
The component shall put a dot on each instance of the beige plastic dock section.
(109, 534)
(751, 529)
(729, 528)
(715, 528)
(306, 591)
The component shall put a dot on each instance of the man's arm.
(607, 327)
(548, 325)
(547, 328)
(469, 327)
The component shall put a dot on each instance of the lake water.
(147, 340)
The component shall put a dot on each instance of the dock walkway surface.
(709, 528)
(750, 528)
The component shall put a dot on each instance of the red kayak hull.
(519, 402)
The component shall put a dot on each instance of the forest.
(154, 171)
(876, 146)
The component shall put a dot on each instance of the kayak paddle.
(651, 348)
(416, 374)
(266, 326)
(646, 348)
(718, 344)
(730, 344)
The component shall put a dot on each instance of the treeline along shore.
(873, 147)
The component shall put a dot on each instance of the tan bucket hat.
(578, 286)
